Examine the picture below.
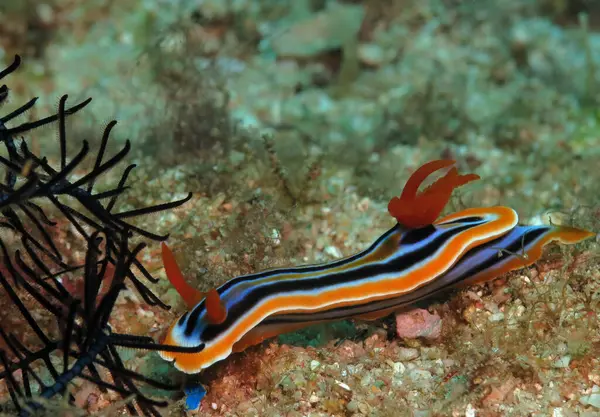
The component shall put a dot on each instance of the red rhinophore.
(216, 313)
(190, 295)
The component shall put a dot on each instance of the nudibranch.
(419, 257)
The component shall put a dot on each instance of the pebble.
(236, 157)
(418, 323)
(420, 378)
(562, 362)
(352, 406)
(333, 252)
(407, 354)
(314, 364)
(287, 385)
(593, 398)
(299, 379)
(367, 380)
(327, 30)
(371, 54)
(343, 385)
(496, 317)
(431, 352)
(398, 367)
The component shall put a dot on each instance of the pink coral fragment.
(418, 323)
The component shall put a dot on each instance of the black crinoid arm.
(75, 331)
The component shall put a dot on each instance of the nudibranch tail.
(416, 210)
(570, 235)
(520, 248)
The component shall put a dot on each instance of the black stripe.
(470, 219)
(518, 245)
(195, 313)
(418, 235)
(308, 268)
(529, 237)
(254, 296)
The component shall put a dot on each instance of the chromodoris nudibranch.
(417, 258)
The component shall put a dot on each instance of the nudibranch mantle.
(417, 258)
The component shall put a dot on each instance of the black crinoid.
(68, 337)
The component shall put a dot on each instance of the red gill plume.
(413, 209)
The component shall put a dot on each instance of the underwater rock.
(407, 354)
(418, 323)
(592, 399)
(324, 31)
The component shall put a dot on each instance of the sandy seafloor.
(293, 123)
